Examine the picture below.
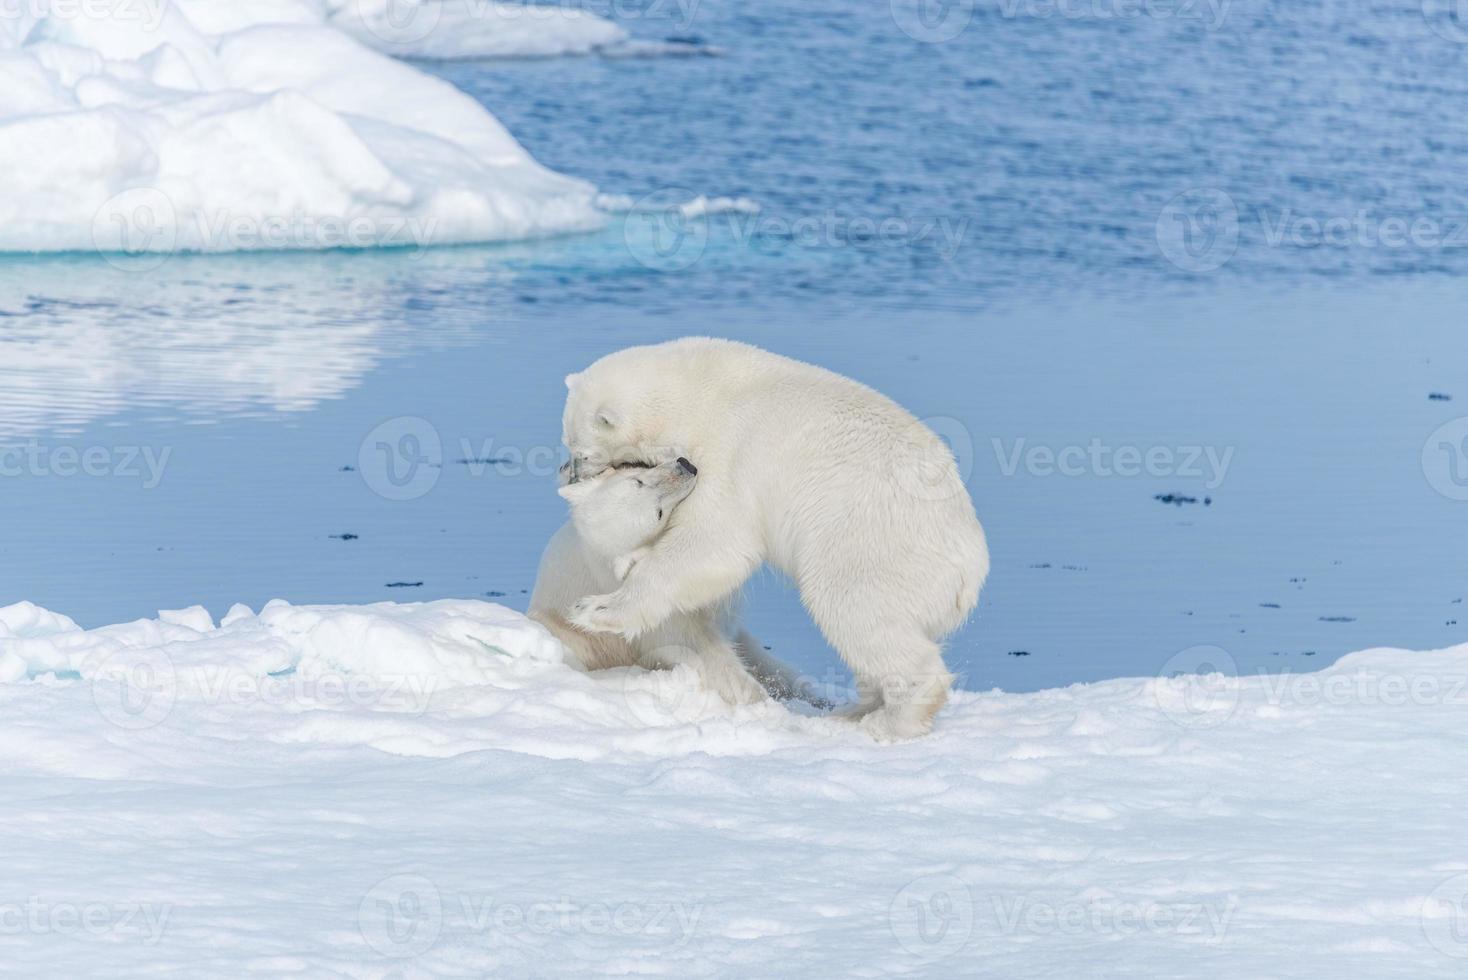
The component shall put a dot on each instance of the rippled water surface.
(1211, 259)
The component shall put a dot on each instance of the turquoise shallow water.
(1093, 251)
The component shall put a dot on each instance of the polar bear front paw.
(601, 614)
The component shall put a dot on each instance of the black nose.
(688, 467)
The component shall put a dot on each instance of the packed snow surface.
(427, 789)
(149, 126)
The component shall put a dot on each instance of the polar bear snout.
(589, 463)
(673, 481)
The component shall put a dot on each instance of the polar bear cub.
(615, 518)
(831, 482)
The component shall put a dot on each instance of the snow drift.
(427, 789)
(151, 126)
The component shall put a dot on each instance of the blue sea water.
(1210, 253)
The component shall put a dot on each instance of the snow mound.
(155, 126)
(428, 789)
(703, 207)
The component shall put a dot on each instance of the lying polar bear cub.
(615, 518)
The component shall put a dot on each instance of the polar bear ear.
(573, 492)
(571, 380)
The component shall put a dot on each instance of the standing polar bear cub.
(827, 480)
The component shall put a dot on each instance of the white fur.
(615, 517)
(822, 477)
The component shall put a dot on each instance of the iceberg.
(146, 127)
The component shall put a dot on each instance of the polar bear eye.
(660, 513)
(639, 483)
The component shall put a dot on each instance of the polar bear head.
(640, 406)
(625, 509)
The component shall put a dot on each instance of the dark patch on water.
(1179, 499)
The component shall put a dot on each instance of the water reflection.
(83, 341)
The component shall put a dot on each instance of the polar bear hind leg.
(900, 674)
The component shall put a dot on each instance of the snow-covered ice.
(428, 789)
(151, 126)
